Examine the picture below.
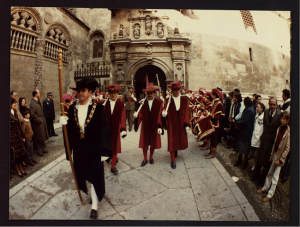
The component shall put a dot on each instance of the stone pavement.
(197, 190)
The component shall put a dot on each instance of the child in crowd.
(26, 127)
(280, 150)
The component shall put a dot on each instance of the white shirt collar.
(216, 99)
(82, 106)
(178, 97)
(288, 100)
(27, 120)
(36, 99)
(12, 111)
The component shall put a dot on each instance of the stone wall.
(219, 61)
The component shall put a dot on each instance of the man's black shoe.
(35, 162)
(94, 214)
(31, 163)
(55, 135)
(114, 171)
(173, 165)
(40, 155)
(144, 163)
(151, 161)
(45, 152)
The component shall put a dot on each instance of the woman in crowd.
(236, 115)
(18, 152)
(23, 104)
(245, 129)
(257, 131)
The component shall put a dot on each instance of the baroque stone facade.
(140, 42)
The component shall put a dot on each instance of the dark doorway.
(151, 71)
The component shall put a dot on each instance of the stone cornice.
(73, 17)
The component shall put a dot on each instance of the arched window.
(25, 28)
(98, 48)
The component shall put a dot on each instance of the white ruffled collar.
(84, 106)
(27, 120)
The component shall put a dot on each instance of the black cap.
(49, 93)
(90, 84)
(219, 88)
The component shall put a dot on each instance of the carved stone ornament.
(160, 30)
(121, 31)
(148, 26)
(24, 16)
(30, 24)
(148, 48)
(15, 17)
(179, 72)
(48, 18)
(136, 31)
(120, 73)
(40, 44)
(58, 32)
(51, 33)
(62, 38)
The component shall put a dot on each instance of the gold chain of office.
(87, 121)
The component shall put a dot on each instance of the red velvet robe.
(116, 123)
(216, 112)
(151, 122)
(177, 137)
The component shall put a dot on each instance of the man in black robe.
(89, 139)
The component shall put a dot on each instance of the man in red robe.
(177, 119)
(116, 117)
(150, 114)
(215, 114)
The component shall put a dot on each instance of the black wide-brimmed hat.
(90, 84)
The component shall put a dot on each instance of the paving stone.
(114, 217)
(233, 213)
(165, 207)
(17, 188)
(196, 159)
(220, 168)
(162, 172)
(49, 166)
(228, 179)
(211, 191)
(54, 179)
(24, 204)
(121, 166)
(34, 176)
(127, 145)
(249, 212)
(238, 194)
(60, 207)
(61, 158)
(130, 188)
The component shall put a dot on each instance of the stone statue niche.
(121, 31)
(120, 74)
(136, 31)
(148, 26)
(160, 30)
(179, 74)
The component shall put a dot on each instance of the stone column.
(39, 46)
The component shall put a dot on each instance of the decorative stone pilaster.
(39, 46)
(69, 55)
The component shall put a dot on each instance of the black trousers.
(50, 126)
(261, 177)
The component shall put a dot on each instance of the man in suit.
(271, 123)
(130, 106)
(38, 123)
(48, 108)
